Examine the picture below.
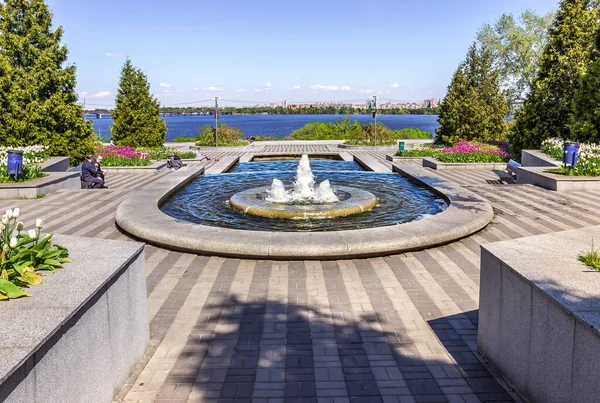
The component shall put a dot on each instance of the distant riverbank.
(269, 125)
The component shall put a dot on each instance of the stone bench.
(539, 316)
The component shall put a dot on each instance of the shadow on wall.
(267, 349)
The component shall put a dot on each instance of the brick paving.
(400, 328)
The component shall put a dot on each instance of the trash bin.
(571, 153)
(15, 162)
(401, 146)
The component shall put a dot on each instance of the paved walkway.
(400, 328)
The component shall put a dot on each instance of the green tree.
(516, 47)
(137, 122)
(37, 93)
(585, 120)
(474, 107)
(547, 109)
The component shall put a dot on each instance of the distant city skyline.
(269, 51)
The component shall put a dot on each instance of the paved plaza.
(399, 328)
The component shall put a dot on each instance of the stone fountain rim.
(140, 216)
(360, 201)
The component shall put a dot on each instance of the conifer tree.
(474, 107)
(136, 116)
(37, 94)
(546, 111)
(585, 120)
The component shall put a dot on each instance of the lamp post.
(216, 121)
(375, 117)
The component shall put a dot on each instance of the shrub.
(228, 136)
(464, 151)
(588, 163)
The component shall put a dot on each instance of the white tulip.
(39, 223)
(16, 212)
(19, 226)
(13, 243)
(33, 234)
(9, 213)
(4, 219)
(5, 248)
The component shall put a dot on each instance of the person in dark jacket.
(89, 173)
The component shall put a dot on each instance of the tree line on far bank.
(546, 71)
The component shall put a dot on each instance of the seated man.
(89, 173)
(99, 169)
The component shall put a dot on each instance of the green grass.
(591, 258)
(162, 153)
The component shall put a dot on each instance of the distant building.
(431, 103)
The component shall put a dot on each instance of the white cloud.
(83, 94)
(330, 87)
(164, 85)
(167, 91)
(110, 54)
(197, 88)
(296, 87)
(395, 85)
(180, 91)
(101, 94)
(241, 90)
(365, 91)
(267, 84)
(215, 88)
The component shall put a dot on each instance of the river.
(269, 125)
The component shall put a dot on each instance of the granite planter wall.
(80, 335)
(541, 176)
(56, 164)
(150, 169)
(42, 186)
(539, 316)
(438, 165)
(536, 158)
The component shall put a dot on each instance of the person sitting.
(89, 173)
(101, 172)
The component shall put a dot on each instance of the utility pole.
(84, 105)
(375, 116)
(216, 121)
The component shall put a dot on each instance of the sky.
(252, 52)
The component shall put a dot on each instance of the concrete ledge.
(150, 169)
(562, 183)
(536, 158)
(56, 164)
(395, 158)
(539, 316)
(82, 332)
(438, 165)
(140, 216)
(42, 186)
(370, 163)
(223, 165)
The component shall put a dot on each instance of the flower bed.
(117, 156)
(588, 163)
(22, 255)
(462, 152)
(32, 157)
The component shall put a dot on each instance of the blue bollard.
(571, 153)
(15, 162)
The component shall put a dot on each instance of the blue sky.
(267, 51)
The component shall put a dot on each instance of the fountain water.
(304, 188)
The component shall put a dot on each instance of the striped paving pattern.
(399, 328)
(293, 148)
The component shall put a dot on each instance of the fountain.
(303, 201)
(304, 188)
